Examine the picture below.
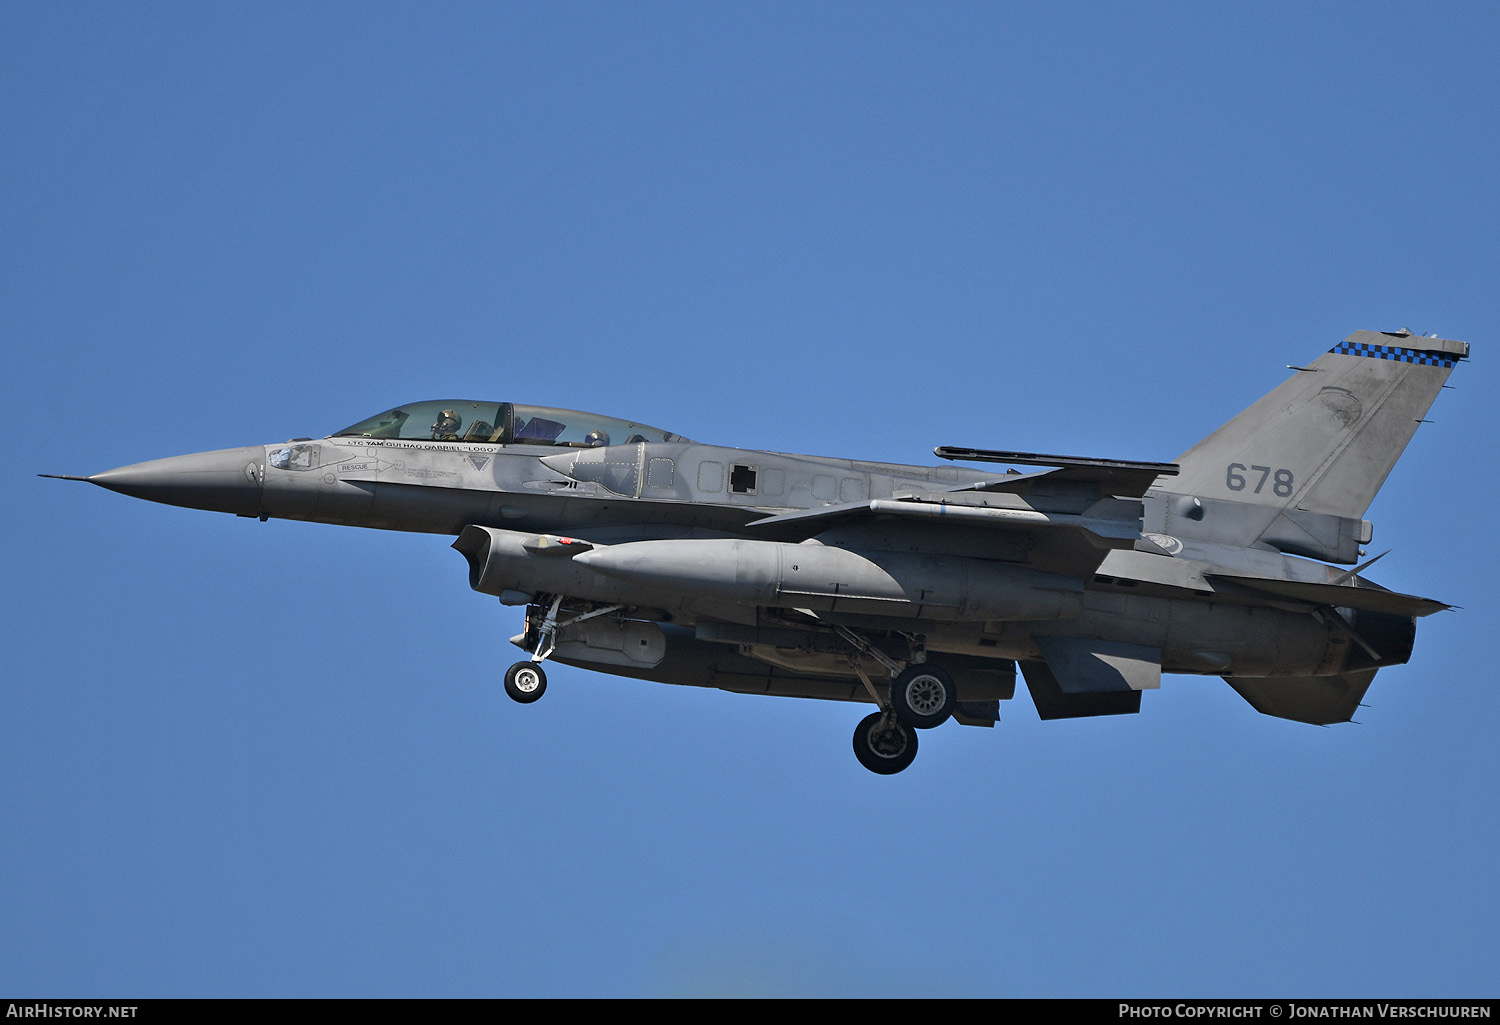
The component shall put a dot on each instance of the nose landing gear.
(525, 681)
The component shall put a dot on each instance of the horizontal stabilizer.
(1365, 597)
(1319, 700)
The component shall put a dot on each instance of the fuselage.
(679, 490)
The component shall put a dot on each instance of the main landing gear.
(884, 745)
(921, 696)
(525, 681)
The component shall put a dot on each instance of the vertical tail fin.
(1325, 440)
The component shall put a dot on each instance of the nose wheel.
(525, 682)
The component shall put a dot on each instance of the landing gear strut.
(525, 681)
(921, 696)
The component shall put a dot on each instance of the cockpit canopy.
(502, 423)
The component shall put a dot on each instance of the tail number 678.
(1238, 477)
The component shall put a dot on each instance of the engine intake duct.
(505, 562)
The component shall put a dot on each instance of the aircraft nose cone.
(228, 480)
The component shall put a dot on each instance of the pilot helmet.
(448, 422)
(596, 439)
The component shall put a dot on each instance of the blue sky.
(232, 766)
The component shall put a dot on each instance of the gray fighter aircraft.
(919, 590)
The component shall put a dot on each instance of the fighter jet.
(918, 590)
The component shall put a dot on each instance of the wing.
(1063, 520)
(1112, 526)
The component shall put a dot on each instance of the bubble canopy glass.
(502, 423)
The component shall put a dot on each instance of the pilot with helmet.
(447, 425)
